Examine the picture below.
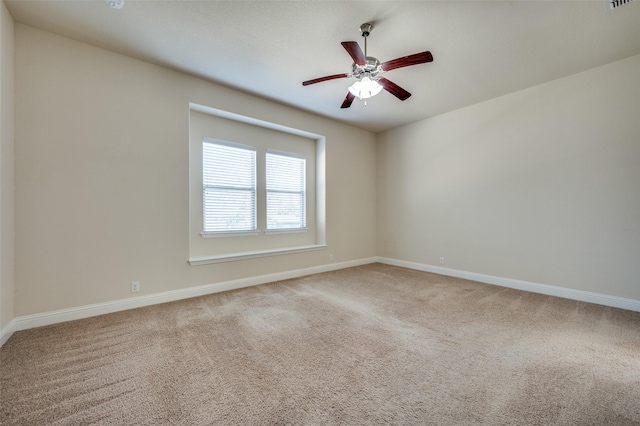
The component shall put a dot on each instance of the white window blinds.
(228, 186)
(286, 206)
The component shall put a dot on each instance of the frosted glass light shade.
(365, 88)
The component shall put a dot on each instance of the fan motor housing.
(371, 69)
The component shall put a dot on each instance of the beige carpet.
(367, 345)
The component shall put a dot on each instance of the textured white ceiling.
(481, 49)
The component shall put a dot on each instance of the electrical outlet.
(330, 258)
(442, 260)
(135, 286)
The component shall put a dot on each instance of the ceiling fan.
(368, 71)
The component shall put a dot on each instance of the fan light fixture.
(365, 88)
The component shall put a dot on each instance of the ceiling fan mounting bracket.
(365, 29)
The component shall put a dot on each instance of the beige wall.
(6, 168)
(542, 185)
(102, 177)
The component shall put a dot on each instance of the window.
(228, 187)
(255, 188)
(286, 195)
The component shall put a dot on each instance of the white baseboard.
(47, 318)
(566, 293)
(7, 331)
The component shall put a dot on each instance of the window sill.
(231, 257)
(229, 234)
(286, 231)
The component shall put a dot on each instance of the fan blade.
(348, 100)
(405, 61)
(321, 79)
(394, 89)
(353, 49)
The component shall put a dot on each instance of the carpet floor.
(369, 345)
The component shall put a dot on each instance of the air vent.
(617, 3)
